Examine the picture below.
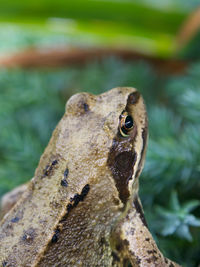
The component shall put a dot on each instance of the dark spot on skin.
(133, 98)
(29, 235)
(54, 162)
(153, 259)
(171, 265)
(69, 207)
(115, 257)
(140, 211)
(166, 260)
(66, 172)
(152, 251)
(76, 199)
(4, 263)
(147, 239)
(132, 231)
(119, 247)
(49, 168)
(82, 106)
(16, 219)
(85, 191)
(64, 183)
(136, 258)
(125, 242)
(86, 107)
(55, 236)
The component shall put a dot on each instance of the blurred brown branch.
(69, 56)
(189, 29)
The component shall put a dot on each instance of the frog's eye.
(126, 124)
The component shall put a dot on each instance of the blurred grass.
(62, 33)
(32, 102)
(144, 26)
(119, 11)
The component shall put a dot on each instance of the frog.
(82, 206)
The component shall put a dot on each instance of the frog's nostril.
(86, 107)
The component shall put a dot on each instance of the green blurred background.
(50, 50)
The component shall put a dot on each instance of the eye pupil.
(128, 122)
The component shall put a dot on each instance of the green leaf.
(174, 203)
(170, 226)
(183, 232)
(190, 205)
(176, 219)
(192, 220)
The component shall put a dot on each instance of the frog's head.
(107, 133)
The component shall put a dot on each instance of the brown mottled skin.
(82, 207)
